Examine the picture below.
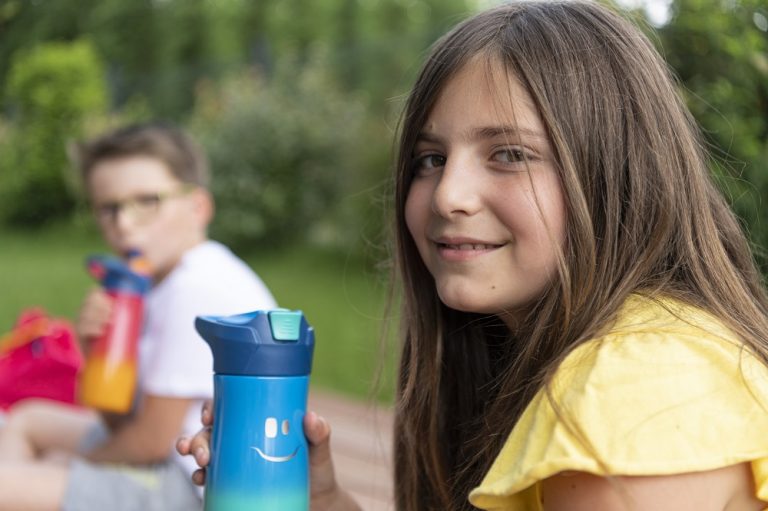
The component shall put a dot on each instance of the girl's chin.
(467, 305)
(508, 313)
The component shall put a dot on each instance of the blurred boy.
(148, 188)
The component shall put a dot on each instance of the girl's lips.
(464, 250)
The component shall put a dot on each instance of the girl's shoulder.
(651, 336)
(667, 389)
(642, 315)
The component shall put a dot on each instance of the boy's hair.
(643, 216)
(168, 144)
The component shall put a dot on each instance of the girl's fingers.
(202, 456)
(321, 474)
(317, 430)
(206, 416)
(200, 447)
(196, 447)
(323, 485)
(182, 445)
(198, 477)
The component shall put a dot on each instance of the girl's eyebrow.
(489, 132)
(509, 131)
(425, 136)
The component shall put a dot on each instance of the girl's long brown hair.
(643, 215)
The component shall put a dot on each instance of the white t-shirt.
(174, 361)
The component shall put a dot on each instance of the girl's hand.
(199, 445)
(325, 493)
(94, 316)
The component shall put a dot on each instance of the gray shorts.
(119, 487)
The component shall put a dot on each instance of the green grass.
(44, 268)
(342, 299)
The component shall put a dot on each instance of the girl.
(584, 326)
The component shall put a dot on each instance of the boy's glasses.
(142, 208)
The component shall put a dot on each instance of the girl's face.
(486, 207)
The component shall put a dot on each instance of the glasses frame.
(108, 212)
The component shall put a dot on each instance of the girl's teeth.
(468, 246)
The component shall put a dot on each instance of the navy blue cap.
(277, 342)
(116, 275)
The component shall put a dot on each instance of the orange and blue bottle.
(259, 458)
(108, 381)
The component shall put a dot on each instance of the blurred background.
(297, 104)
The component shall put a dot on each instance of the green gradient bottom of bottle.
(287, 501)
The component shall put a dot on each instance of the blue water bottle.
(259, 459)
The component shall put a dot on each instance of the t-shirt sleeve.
(638, 404)
(180, 363)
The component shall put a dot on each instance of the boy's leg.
(38, 427)
(32, 486)
(40, 486)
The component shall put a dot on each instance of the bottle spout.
(115, 274)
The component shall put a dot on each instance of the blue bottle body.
(261, 461)
(259, 455)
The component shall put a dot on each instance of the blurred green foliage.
(53, 88)
(297, 140)
(160, 49)
(297, 101)
(719, 49)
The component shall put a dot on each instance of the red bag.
(39, 358)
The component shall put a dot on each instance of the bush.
(288, 156)
(51, 90)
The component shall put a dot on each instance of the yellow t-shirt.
(667, 390)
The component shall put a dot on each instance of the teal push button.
(285, 325)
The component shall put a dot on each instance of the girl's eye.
(428, 162)
(512, 155)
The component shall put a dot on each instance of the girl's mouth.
(461, 252)
(467, 246)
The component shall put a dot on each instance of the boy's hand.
(94, 316)
(325, 493)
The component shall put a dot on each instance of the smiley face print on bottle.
(278, 440)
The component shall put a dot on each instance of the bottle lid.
(118, 275)
(277, 342)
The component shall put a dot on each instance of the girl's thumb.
(318, 432)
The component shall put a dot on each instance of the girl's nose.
(456, 191)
